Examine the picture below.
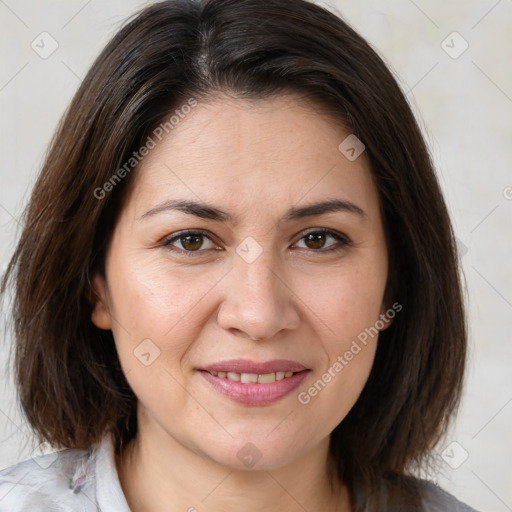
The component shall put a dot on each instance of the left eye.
(317, 240)
(192, 241)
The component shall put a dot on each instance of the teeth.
(247, 378)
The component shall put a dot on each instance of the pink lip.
(254, 393)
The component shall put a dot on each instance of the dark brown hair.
(69, 380)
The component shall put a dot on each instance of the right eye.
(190, 240)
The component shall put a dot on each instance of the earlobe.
(386, 316)
(388, 308)
(384, 320)
(100, 314)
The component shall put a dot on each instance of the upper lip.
(248, 366)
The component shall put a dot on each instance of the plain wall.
(464, 103)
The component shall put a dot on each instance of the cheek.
(158, 317)
(349, 309)
(333, 393)
(159, 303)
(154, 294)
(349, 303)
(349, 313)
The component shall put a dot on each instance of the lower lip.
(253, 393)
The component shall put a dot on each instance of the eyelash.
(344, 240)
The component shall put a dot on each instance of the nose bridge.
(257, 301)
(260, 277)
(258, 281)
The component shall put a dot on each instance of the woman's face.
(256, 289)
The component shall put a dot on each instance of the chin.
(255, 452)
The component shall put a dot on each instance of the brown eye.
(190, 241)
(316, 240)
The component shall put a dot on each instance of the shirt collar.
(109, 492)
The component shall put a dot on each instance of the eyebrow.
(210, 212)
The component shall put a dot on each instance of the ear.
(100, 314)
(385, 317)
(387, 311)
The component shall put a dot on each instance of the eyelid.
(342, 238)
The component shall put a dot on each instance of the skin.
(255, 160)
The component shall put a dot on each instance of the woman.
(237, 285)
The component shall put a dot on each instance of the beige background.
(465, 107)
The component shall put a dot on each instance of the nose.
(258, 303)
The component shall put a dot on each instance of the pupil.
(191, 246)
(317, 239)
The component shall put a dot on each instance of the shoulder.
(406, 492)
(56, 482)
(435, 499)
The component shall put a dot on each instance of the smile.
(252, 383)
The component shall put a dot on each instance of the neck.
(158, 474)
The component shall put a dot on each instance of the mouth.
(251, 383)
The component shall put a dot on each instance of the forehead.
(272, 151)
